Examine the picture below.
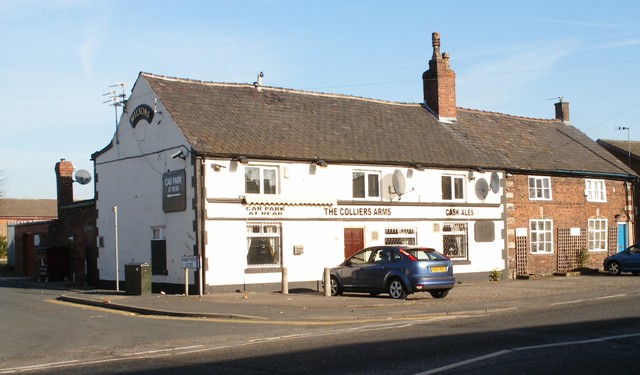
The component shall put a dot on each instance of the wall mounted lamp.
(471, 176)
(217, 167)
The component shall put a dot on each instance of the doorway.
(622, 237)
(353, 240)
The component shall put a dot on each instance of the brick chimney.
(64, 181)
(439, 84)
(562, 111)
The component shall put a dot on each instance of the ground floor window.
(400, 236)
(158, 251)
(263, 244)
(597, 233)
(455, 241)
(541, 231)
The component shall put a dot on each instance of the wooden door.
(353, 240)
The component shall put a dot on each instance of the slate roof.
(622, 146)
(227, 120)
(29, 208)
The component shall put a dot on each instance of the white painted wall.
(321, 234)
(129, 176)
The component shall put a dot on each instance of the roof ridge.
(508, 115)
(281, 89)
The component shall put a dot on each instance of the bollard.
(285, 281)
(327, 283)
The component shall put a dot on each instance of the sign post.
(188, 262)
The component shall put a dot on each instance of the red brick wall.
(568, 208)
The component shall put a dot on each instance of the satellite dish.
(83, 177)
(398, 182)
(482, 188)
(495, 182)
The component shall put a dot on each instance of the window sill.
(263, 270)
(461, 262)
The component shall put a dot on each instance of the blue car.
(396, 270)
(624, 261)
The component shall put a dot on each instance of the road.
(585, 335)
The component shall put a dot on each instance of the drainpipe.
(629, 211)
(199, 207)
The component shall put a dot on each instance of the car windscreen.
(426, 254)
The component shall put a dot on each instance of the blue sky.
(60, 56)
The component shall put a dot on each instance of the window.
(260, 180)
(455, 241)
(385, 256)
(541, 236)
(366, 184)
(452, 188)
(263, 244)
(400, 236)
(361, 257)
(158, 251)
(539, 188)
(595, 191)
(597, 233)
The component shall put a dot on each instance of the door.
(353, 241)
(622, 236)
(373, 275)
(353, 273)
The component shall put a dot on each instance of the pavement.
(306, 306)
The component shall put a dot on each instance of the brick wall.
(568, 208)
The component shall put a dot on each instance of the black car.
(397, 270)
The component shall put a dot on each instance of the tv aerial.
(116, 100)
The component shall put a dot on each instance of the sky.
(59, 58)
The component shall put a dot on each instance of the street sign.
(190, 261)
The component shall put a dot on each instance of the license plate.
(438, 269)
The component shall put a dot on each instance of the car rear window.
(426, 254)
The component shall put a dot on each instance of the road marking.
(614, 296)
(533, 347)
(566, 302)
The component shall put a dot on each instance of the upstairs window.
(539, 188)
(260, 180)
(595, 191)
(366, 184)
(452, 188)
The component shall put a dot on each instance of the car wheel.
(439, 293)
(336, 289)
(396, 289)
(614, 268)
